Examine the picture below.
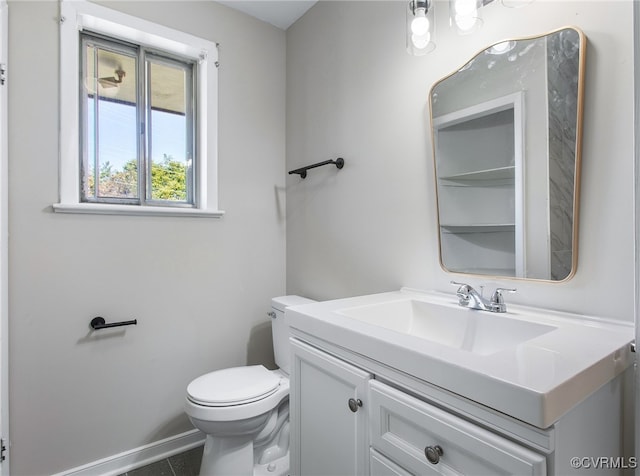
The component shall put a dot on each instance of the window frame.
(144, 57)
(76, 16)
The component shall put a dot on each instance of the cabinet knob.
(354, 404)
(433, 454)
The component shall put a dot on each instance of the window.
(137, 125)
(138, 116)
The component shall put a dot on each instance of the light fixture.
(112, 81)
(464, 15)
(420, 27)
(109, 86)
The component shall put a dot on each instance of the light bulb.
(501, 47)
(107, 92)
(420, 24)
(466, 22)
(420, 41)
(465, 7)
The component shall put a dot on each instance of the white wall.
(200, 288)
(353, 92)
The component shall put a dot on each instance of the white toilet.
(244, 411)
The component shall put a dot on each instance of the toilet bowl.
(244, 411)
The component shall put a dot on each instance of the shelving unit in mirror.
(479, 172)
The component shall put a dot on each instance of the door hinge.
(3, 450)
(3, 73)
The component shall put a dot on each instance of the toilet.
(244, 411)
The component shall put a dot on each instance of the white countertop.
(536, 381)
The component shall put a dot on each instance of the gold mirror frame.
(458, 122)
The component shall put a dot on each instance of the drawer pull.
(354, 404)
(433, 454)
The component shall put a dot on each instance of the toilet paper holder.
(99, 323)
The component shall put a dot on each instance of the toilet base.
(277, 467)
(234, 457)
(227, 456)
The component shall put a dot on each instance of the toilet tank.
(280, 329)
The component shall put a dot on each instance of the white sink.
(533, 364)
(481, 333)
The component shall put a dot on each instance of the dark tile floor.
(182, 464)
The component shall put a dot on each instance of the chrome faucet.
(469, 297)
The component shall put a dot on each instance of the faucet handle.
(463, 292)
(497, 300)
(463, 288)
(462, 285)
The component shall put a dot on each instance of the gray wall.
(353, 92)
(200, 288)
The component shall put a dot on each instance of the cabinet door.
(328, 437)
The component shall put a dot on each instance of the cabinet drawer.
(402, 427)
(381, 466)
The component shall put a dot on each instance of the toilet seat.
(239, 411)
(233, 386)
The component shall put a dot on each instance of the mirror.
(506, 136)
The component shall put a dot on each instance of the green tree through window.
(168, 180)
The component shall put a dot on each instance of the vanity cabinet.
(328, 418)
(354, 416)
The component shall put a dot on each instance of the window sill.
(134, 210)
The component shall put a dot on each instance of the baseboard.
(138, 457)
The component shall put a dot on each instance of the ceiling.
(282, 13)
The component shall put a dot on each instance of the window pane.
(111, 138)
(88, 160)
(170, 138)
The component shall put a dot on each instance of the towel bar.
(302, 171)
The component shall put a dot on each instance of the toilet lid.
(234, 386)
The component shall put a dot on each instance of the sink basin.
(534, 364)
(478, 332)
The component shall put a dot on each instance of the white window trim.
(76, 15)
